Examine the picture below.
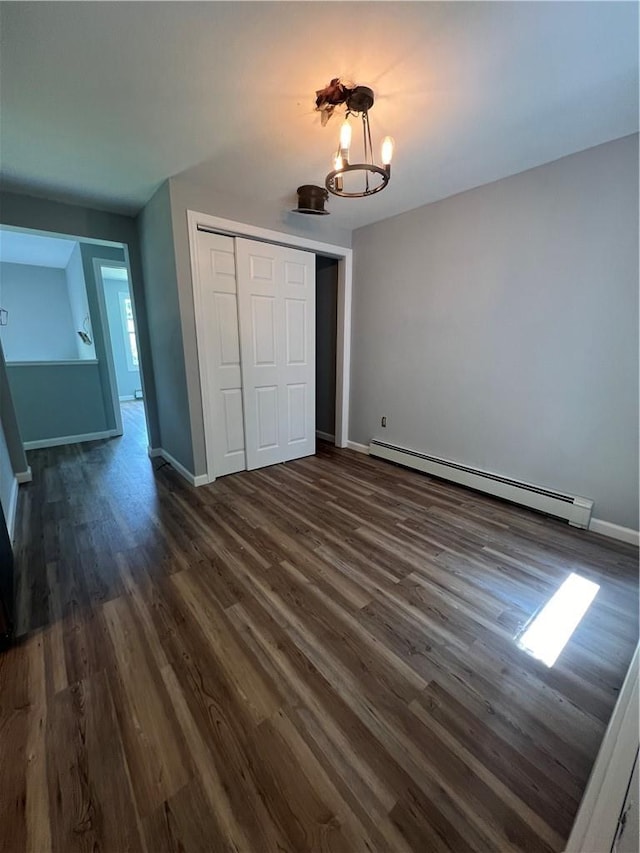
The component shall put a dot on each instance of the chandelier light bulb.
(345, 135)
(338, 165)
(387, 150)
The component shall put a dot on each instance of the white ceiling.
(104, 101)
(17, 247)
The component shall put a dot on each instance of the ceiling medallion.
(347, 179)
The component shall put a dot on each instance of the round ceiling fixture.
(311, 200)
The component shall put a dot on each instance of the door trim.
(345, 285)
(597, 818)
(206, 376)
(98, 263)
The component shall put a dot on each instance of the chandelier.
(358, 180)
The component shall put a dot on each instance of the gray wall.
(499, 328)
(128, 380)
(74, 220)
(326, 338)
(185, 196)
(56, 400)
(165, 329)
(40, 325)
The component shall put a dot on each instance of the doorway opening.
(55, 335)
(326, 346)
(123, 351)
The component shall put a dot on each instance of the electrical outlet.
(383, 422)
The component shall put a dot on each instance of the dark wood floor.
(315, 656)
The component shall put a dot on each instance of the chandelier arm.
(369, 140)
(368, 158)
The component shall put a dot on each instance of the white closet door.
(276, 303)
(219, 354)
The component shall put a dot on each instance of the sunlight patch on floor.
(550, 630)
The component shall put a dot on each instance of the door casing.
(344, 257)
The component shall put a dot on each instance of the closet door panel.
(219, 354)
(263, 321)
(295, 331)
(296, 413)
(276, 303)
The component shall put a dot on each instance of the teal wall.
(12, 456)
(54, 400)
(10, 421)
(165, 330)
(7, 478)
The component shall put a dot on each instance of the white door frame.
(345, 283)
(98, 263)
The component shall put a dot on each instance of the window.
(129, 328)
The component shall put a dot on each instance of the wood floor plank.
(182, 823)
(319, 655)
(225, 726)
(260, 700)
(90, 796)
(16, 730)
(530, 818)
(333, 729)
(540, 791)
(154, 747)
(37, 791)
(56, 670)
(232, 834)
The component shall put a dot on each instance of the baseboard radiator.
(576, 510)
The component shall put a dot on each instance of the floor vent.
(576, 510)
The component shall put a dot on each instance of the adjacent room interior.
(67, 381)
(319, 427)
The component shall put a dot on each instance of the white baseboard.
(195, 480)
(12, 508)
(24, 476)
(615, 531)
(596, 822)
(359, 448)
(325, 435)
(70, 439)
